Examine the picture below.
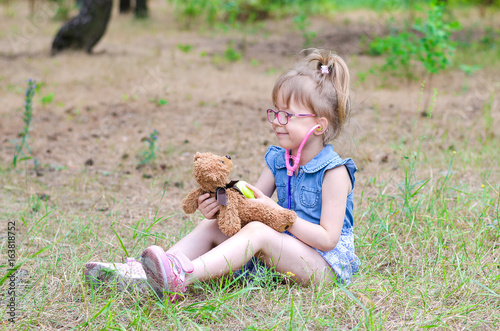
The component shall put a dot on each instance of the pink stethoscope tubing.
(295, 159)
(290, 168)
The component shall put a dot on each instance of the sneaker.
(127, 276)
(166, 272)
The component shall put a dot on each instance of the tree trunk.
(86, 29)
(124, 6)
(32, 7)
(141, 9)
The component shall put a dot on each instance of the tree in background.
(85, 30)
(141, 7)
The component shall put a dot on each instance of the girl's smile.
(280, 133)
(291, 134)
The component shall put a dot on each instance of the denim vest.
(307, 184)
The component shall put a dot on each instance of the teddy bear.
(211, 172)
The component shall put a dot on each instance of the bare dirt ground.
(89, 139)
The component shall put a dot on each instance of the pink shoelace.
(176, 281)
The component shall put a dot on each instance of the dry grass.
(427, 202)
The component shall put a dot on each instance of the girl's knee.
(258, 231)
(264, 240)
(208, 224)
(209, 227)
(256, 227)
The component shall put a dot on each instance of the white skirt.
(341, 259)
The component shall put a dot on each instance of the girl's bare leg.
(283, 252)
(203, 238)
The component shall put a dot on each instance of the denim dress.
(306, 190)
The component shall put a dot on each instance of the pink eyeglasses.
(283, 116)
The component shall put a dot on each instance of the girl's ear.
(323, 122)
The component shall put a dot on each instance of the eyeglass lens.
(282, 116)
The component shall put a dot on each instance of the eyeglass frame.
(288, 115)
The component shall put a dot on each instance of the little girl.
(311, 106)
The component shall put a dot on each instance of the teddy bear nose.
(228, 157)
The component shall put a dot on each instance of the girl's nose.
(276, 121)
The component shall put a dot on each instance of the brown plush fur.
(212, 171)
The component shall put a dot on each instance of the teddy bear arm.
(228, 220)
(287, 218)
(190, 203)
(279, 220)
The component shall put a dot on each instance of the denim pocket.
(309, 197)
(282, 192)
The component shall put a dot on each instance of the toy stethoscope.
(292, 163)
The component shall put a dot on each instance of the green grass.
(23, 151)
(428, 243)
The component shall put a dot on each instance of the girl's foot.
(166, 272)
(126, 275)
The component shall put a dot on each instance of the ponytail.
(340, 80)
(332, 68)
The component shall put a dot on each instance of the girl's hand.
(208, 206)
(262, 198)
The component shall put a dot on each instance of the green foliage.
(208, 11)
(428, 43)
(400, 50)
(490, 38)
(159, 101)
(302, 23)
(437, 49)
(20, 155)
(184, 48)
(49, 98)
(149, 155)
(63, 9)
(410, 186)
(244, 11)
(36, 203)
(231, 54)
(469, 70)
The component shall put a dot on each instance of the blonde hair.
(325, 94)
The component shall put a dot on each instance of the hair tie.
(324, 69)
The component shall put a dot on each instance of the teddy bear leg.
(228, 220)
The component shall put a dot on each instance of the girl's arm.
(265, 183)
(325, 236)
